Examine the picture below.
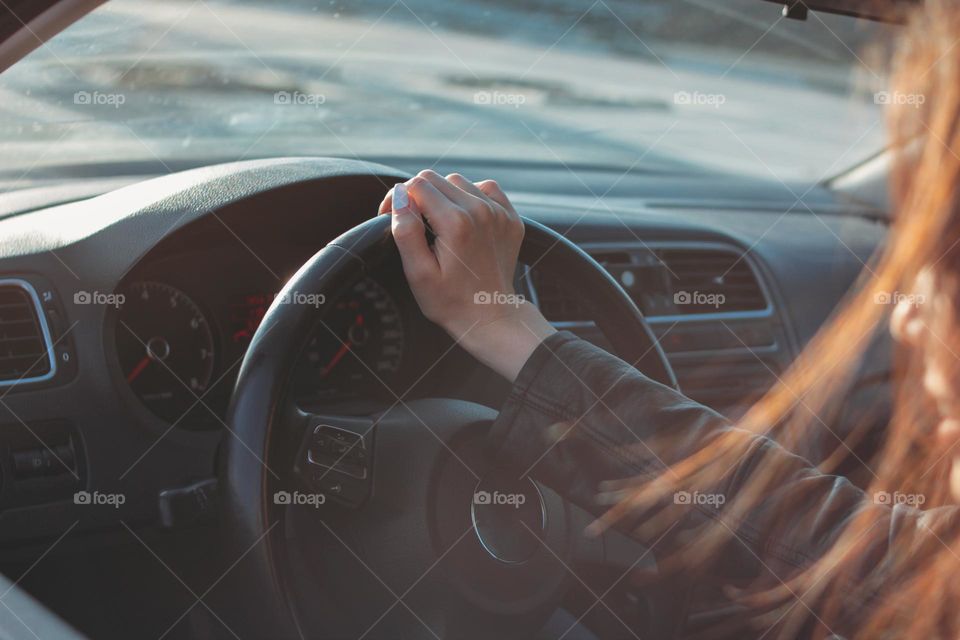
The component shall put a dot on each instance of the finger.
(463, 184)
(446, 218)
(456, 195)
(386, 205)
(495, 193)
(480, 209)
(419, 263)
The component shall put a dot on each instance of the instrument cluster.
(180, 340)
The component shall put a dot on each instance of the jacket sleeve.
(577, 416)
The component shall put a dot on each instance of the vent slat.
(26, 358)
(23, 349)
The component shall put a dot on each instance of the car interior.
(223, 413)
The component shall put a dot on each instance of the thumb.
(419, 262)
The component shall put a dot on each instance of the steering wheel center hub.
(509, 518)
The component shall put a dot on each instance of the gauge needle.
(137, 370)
(336, 358)
(342, 351)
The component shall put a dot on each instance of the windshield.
(664, 85)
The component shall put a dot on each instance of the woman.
(815, 555)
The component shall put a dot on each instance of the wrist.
(505, 343)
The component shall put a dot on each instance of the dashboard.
(125, 319)
(148, 295)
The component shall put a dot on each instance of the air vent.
(640, 272)
(664, 281)
(26, 354)
(711, 281)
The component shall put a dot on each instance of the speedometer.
(357, 345)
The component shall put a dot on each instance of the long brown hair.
(906, 583)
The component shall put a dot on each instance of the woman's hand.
(463, 281)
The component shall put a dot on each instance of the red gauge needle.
(137, 370)
(338, 356)
(343, 350)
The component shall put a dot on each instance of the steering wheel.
(419, 534)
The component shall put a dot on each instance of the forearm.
(578, 417)
(574, 403)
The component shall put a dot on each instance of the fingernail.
(400, 198)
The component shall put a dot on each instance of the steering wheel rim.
(250, 463)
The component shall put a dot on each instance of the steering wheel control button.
(335, 459)
(338, 450)
(509, 518)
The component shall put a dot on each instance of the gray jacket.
(578, 416)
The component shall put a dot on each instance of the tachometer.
(357, 346)
(165, 347)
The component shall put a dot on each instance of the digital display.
(246, 314)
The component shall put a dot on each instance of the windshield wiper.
(894, 12)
